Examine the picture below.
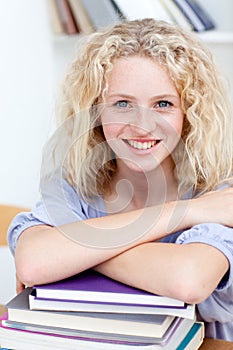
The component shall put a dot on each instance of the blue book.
(197, 16)
(202, 14)
(194, 338)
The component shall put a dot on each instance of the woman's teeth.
(141, 145)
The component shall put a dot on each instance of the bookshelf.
(219, 41)
(220, 12)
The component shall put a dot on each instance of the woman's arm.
(188, 272)
(45, 254)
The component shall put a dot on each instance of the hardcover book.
(202, 14)
(54, 17)
(81, 17)
(177, 327)
(187, 311)
(177, 15)
(134, 9)
(195, 14)
(101, 13)
(128, 324)
(95, 287)
(182, 334)
(66, 17)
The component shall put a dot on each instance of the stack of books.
(92, 311)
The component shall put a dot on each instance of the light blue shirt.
(60, 204)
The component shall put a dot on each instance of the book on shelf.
(202, 13)
(134, 9)
(196, 14)
(66, 17)
(92, 286)
(182, 334)
(102, 13)
(81, 17)
(54, 18)
(176, 14)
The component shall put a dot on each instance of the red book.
(66, 17)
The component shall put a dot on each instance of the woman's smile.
(142, 145)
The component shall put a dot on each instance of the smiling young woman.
(136, 179)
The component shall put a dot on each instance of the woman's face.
(142, 118)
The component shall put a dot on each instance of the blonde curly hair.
(204, 155)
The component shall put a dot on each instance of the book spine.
(118, 10)
(55, 21)
(194, 338)
(81, 17)
(159, 11)
(191, 15)
(202, 14)
(177, 14)
(133, 9)
(66, 17)
(101, 13)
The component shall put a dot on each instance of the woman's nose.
(144, 119)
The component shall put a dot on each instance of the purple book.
(91, 286)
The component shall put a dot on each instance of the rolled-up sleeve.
(219, 305)
(59, 205)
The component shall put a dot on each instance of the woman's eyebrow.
(129, 96)
(121, 95)
(164, 96)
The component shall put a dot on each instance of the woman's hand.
(214, 206)
(19, 285)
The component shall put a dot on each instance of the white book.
(177, 14)
(187, 336)
(187, 311)
(91, 286)
(190, 13)
(129, 324)
(136, 9)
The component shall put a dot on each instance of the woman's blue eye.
(164, 104)
(122, 104)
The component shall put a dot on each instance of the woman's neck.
(134, 190)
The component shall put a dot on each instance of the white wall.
(26, 78)
(26, 97)
(221, 11)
